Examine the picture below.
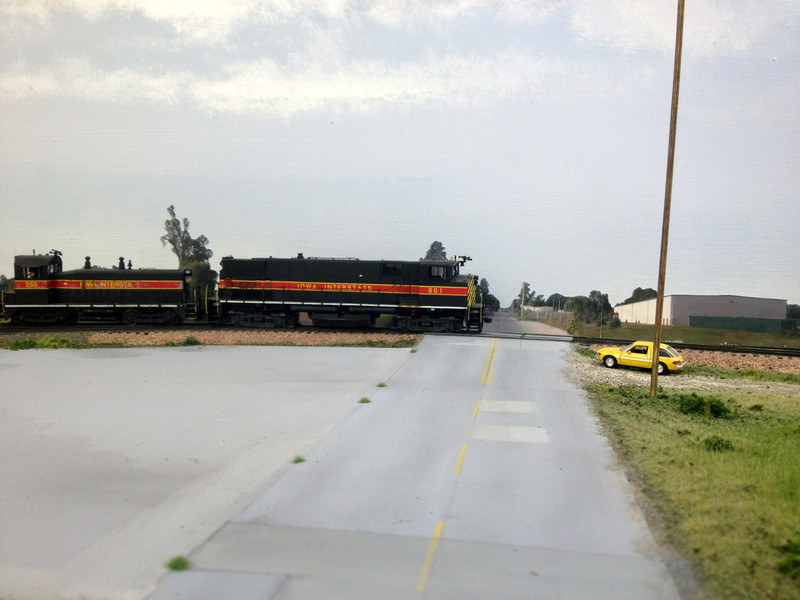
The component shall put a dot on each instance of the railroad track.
(50, 330)
(765, 350)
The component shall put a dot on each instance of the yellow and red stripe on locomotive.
(42, 292)
(425, 295)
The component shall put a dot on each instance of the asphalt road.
(477, 472)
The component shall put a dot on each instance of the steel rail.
(99, 327)
(734, 348)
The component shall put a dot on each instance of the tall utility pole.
(662, 265)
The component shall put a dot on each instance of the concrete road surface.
(476, 472)
(503, 322)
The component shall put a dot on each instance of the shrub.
(790, 563)
(191, 341)
(707, 406)
(715, 443)
(25, 344)
(44, 342)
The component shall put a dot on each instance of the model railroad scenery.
(425, 295)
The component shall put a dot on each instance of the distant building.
(719, 312)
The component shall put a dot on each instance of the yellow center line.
(422, 582)
(475, 412)
(460, 460)
(488, 368)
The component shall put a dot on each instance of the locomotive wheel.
(129, 317)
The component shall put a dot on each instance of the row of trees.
(592, 308)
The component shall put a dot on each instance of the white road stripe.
(507, 433)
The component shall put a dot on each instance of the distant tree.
(793, 311)
(436, 252)
(556, 301)
(189, 250)
(192, 253)
(489, 301)
(599, 307)
(591, 308)
(579, 307)
(640, 294)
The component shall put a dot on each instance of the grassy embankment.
(722, 477)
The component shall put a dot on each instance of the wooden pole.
(662, 265)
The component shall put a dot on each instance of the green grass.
(47, 342)
(748, 374)
(723, 477)
(687, 335)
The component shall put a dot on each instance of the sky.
(529, 135)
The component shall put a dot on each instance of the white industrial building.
(679, 308)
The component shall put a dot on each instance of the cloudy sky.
(531, 135)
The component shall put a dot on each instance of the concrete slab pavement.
(116, 460)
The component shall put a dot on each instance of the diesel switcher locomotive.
(44, 293)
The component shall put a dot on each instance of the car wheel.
(662, 369)
(610, 362)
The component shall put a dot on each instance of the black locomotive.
(425, 295)
(43, 293)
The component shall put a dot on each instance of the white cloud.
(712, 28)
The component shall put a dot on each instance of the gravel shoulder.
(584, 371)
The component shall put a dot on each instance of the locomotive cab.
(37, 266)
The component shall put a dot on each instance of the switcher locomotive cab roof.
(36, 265)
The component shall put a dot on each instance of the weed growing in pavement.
(722, 476)
(381, 385)
(364, 400)
(177, 563)
(298, 459)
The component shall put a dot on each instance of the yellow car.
(640, 354)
